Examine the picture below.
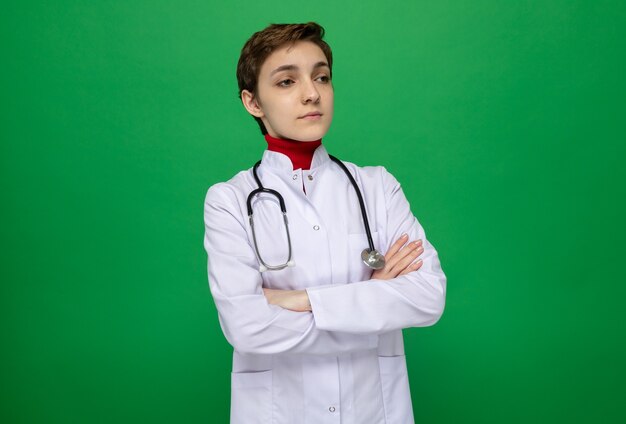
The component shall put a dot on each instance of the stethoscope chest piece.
(373, 259)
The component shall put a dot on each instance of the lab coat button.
(310, 177)
(316, 227)
(331, 409)
(295, 176)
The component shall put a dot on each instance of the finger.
(407, 250)
(407, 261)
(397, 246)
(413, 267)
(402, 254)
(408, 258)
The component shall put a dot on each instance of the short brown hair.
(263, 43)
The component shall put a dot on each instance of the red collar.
(300, 152)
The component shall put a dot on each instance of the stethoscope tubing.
(283, 209)
(366, 223)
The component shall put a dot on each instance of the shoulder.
(230, 190)
(378, 175)
(228, 197)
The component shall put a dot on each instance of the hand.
(294, 300)
(399, 259)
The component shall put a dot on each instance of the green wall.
(504, 121)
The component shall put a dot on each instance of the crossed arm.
(346, 317)
(399, 260)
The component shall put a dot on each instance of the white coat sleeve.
(251, 324)
(416, 299)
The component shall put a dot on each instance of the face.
(294, 96)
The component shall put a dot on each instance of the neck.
(300, 152)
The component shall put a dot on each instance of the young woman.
(314, 314)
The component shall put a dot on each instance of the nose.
(310, 94)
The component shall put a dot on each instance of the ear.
(251, 104)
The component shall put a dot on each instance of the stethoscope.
(370, 256)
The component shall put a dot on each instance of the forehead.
(304, 54)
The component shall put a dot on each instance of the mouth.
(311, 115)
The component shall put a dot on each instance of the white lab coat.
(344, 361)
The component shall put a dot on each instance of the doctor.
(319, 341)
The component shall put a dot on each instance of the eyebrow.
(295, 68)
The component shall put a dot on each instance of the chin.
(312, 134)
(309, 139)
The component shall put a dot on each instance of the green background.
(504, 122)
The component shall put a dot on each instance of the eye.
(285, 83)
(323, 78)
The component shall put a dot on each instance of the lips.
(311, 115)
